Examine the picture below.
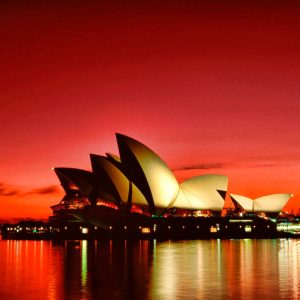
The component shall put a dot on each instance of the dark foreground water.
(212, 269)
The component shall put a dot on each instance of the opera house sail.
(137, 186)
(270, 204)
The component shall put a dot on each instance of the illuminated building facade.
(138, 185)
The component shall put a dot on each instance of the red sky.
(211, 86)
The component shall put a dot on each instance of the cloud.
(262, 162)
(264, 165)
(51, 189)
(10, 193)
(205, 166)
(7, 190)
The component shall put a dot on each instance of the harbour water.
(197, 269)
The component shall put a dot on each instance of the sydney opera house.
(136, 190)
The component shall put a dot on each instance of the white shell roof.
(154, 184)
(162, 182)
(121, 182)
(201, 192)
(269, 203)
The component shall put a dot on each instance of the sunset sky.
(211, 86)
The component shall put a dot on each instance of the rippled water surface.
(210, 269)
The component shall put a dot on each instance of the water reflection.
(29, 270)
(212, 269)
(84, 259)
(288, 254)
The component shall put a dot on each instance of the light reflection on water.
(84, 268)
(211, 269)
